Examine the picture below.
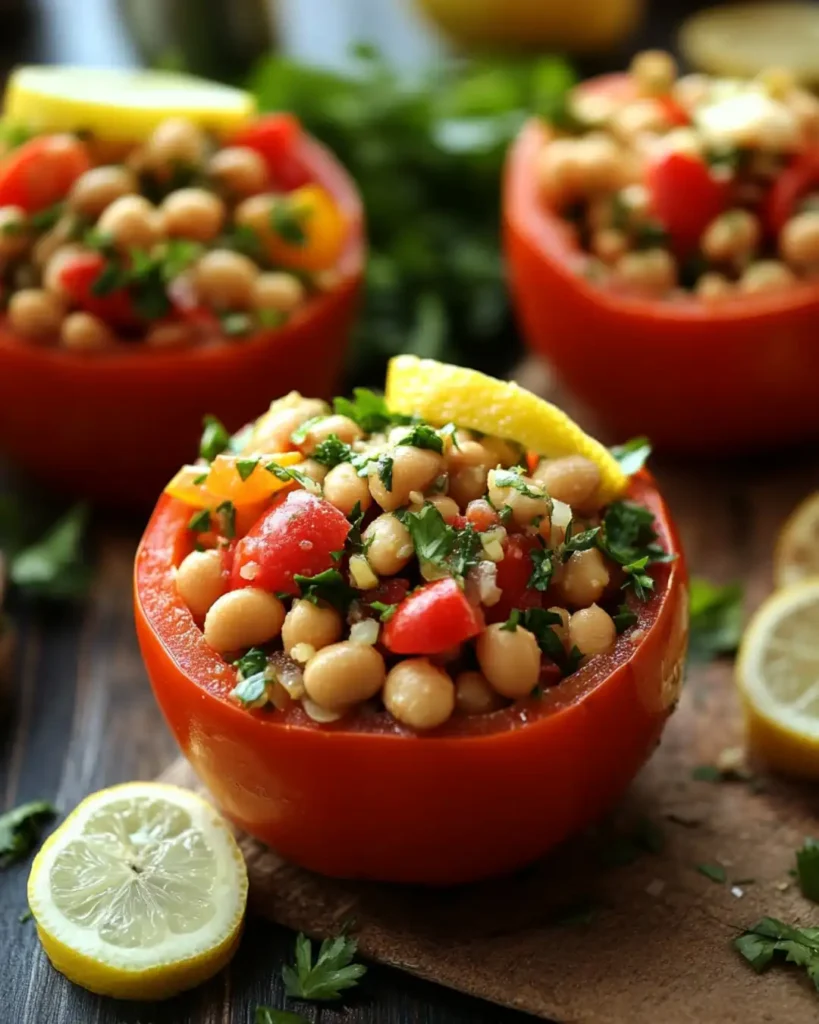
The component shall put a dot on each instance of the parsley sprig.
(628, 538)
(435, 542)
(332, 972)
(771, 941)
(807, 869)
(20, 830)
(369, 411)
(328, 586)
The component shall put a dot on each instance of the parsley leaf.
(716, 872)
(423, 436)
(326, 586)
(354, 541)
(236, 325)
(454, 551)
(772, 941)
(288, 473)
(251, 663)
(539, 622)
(227, 518)
(20, 830)
(215, 439)
(578, 541)
(199, 522)
(267, 1015)
(716, 619)
(638, 578)
(288, 222)
(632, 455)
(44, 220)
(299, 435)
(807, 869)
(624, 618)
(53, 567)
(332, 972)
(369, 411)
(332, 452)
(383, 468)
(386, 611)
(244, 467)
(510, 478)
(628, 537)
(543, 568)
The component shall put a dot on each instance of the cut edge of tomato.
(172, 626)
(526, 214)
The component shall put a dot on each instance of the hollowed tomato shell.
(364, 798)
(694, 378)
(116, 427)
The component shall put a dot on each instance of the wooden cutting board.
(655, 947)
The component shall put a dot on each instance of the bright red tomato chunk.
(432, 619)
(275, 137)
(513, 575)
(685, 197)
(41, 171)
(296, 537)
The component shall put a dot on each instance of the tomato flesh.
(41, 172)
(298, 536)
(513, 575)
(275, 138)
(432, 619)
(685, 197)
(78, 277)
(798, 179)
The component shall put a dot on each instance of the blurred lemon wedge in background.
(140, 893)
(444, 394)
(778, 679)
(797, 548)
(120, 105)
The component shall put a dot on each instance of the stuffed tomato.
(671, 224)
(395, 646)
(165, 252)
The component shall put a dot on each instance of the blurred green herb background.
(427, 154)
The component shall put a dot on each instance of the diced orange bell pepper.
(203, 487)
(308, 230)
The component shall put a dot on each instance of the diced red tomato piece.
(481, 515)
(41, 171)
(513, 574)
(275, 137)
(675, 113)
(79, 274)
(685, 197)
(459, 522)
(550, 673)
(296, 537)
(432, 619)
(388, 592)
(795, 182)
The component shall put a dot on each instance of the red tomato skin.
(799, 178)
(685, 197)
(41, 171)
(513, 574)
(296, 537)
(432, 619)
(274, 137)
(675, 113)
(277, 775)
(79, 275)
(481, 515)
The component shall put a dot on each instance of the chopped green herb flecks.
(423, 436)
(215, 439)
(807, 869)
(244, 467)
(199, 522)
(328, 586)
(20, 830)
(226, 513)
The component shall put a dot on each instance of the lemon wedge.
(797, 549)
(140, 893)
(444, 394)
(120, 105)
(778, 678)
(740, 40)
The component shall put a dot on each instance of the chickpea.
(713, 287)
(766, 276)
(799, 240)
(239, 171)
(273, 429)
(526, 508)
(225, 279)
(445, 505)
(509, 660)
(278, 291)
(53, 241)
(609, 245)
(562, 630)
(419, 694)
(132, 223)
(639, 118)
(474, 695)
(343, 674)
(413, 469)
(468, 485)
(558, 170)
(255, 213)
(652, 273)
(82, 332)
(314, 470)
(35, 313)
(308, 623)
(389, 545)
(176, 142)
(585, 578)
(345, 489)
(243, 618)
(200, 581)
(654, 72)
(193, 213)
(15, 235)
(592, 631)
(691, 90)
(169, 336)
(733, 235)
(500, 452)
(95, 190)
(468, 454)
(573, 480)
(343, 427)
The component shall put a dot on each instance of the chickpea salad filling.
(185, 239)
(693, 185)
(353, 560)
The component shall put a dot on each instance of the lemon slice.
(740, 40)
(120, 105)
(778, 677)
(454, 394)
(797, 549)
(140, 893)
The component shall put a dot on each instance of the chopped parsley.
(383, 469)
(543, 569)
(215, 439)
(716, 872)
(332, 452)
(199, 522)
(251, 663)
(20, 830)
(299, 435)
(578, 541)
(770, 941)
(423, 436)
(632, 455)
(287, 474)
(236, 325)
(44, 220)
(329, 975)
(369, 411)
(328, 586)
(226, 513)
(355, 542)
(385, 611)
(435, 542)
(539, 622)
(513, 479)
(624, 618)
(716, 619)
(807, 869)
(244, 467)
(287, 221)
(628, 538)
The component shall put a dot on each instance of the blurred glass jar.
(215, 38)
(578, 26)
